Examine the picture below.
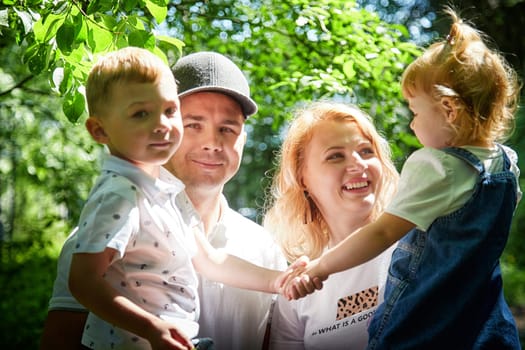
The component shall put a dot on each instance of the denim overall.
(444, 288)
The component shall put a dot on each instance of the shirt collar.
(219, 234)
(166, 183)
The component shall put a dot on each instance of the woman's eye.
(334, 156)
(367, 152)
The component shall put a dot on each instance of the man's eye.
(192, 126)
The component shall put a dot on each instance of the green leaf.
(100, 6)
(161, 54)
(348, 69)
(121, 42)
(158, 12)
(61, 6)
(93, 7)
(141, 38)
(66, 37)
(109, 22)
(171, 41)
(37, 57)
(30, 52)
(80, 28)
(74, 106)
(99, 39)
(45, 29)
(130, 5)
(131, 23)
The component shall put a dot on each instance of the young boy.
(132, 261)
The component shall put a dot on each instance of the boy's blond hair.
(130, 64)
(483, 86)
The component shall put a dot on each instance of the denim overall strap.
(470, 158)
(444, 287)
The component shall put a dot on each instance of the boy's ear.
(450, 107)
(96, 130)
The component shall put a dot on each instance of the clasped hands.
(300, 279)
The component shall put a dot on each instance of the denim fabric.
(444, 288)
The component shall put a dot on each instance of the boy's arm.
(88, 286)
(222, 267)
(361, 246)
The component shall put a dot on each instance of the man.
(215, 101)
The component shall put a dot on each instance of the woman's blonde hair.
(297, 223)
(483, 86)
(126, 65)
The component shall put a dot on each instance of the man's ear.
(450, 107)
(96, 130)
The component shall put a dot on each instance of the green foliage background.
(292, 51)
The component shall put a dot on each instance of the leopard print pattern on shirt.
(356, 303)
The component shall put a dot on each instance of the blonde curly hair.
(483, 85)
(286, 203)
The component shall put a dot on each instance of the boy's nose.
(163, 124)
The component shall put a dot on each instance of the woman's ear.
(96, 130)
(450, 107)
(301, 182)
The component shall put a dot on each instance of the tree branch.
(17, 85)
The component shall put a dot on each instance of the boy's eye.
(140, 114)
(171, 111)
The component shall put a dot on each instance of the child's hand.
(165, 335)
(298, 282)
(292, 270)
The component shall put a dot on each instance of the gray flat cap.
(211, 71)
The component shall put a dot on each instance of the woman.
(335, 175)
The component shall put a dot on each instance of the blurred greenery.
(292, 51)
